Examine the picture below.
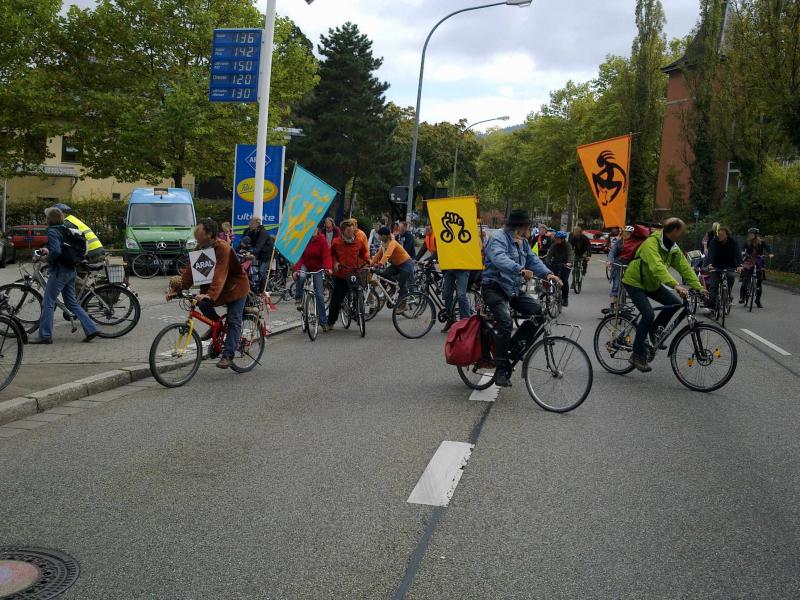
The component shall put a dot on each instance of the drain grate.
(48, 573)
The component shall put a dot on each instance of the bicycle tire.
(11, 334)
(25, 304)
(373, 305)
(608, 272)
(414, 307)
(252, 338)
(620, 337)
(101, 306)
(160, 370)
(360, 314)
(485, 376)
(722, 301)
(146, 266)
(715, 355)
(751, 292)
(578, 281)
(310, 315)
(181, 263)
(344, 312)
(572, 350)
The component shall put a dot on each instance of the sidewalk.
(68, 359)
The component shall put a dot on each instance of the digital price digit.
(245, 51)
(244, 37)
(242, 79)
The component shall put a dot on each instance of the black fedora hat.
(517, 217)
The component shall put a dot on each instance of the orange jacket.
(349, 255)
(394, 254)
(430, 242)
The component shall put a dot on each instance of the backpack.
(639, 234)
(73, 247)
(463, 345)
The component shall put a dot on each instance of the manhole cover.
(35, 573)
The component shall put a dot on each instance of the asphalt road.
(292, 481)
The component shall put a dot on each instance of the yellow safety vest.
(92, 241)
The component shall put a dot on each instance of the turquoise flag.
(307, 201)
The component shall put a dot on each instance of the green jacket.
(650, 267)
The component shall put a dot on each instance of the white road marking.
(487, 395)
(441, 476)
(767, 343)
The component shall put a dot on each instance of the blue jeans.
(648, 321)
(234, 318)
(61, 281)
(402, 274)
(456, 281)
(319, 292)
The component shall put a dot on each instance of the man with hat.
(508, 261)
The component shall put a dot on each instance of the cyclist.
(614, 252)
(374, 239)
(754, 252)
(405, 238)
(316, 257)
(648, 276)
(560, 258)
(229, 286)
(509, 259)
(401, 268)
(261, 245)
(581, 246)
(723, 253)
(349, 253)
(429, 245)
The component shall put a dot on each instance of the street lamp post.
(455, 160)
(410, 207)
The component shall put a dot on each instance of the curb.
(36, 402)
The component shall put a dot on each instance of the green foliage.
(134, 74)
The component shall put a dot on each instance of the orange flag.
(606, 166)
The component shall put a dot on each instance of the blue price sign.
(235, 56)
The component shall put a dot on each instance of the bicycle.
(177, 351)
(113, 307)
(550, 297)
(431, 281)
(12, 342)
(557, 371)
(310, 317)
(722, 307)
(699, 346)
(753, 286)
(149, 264)
(578, 273)
(380, 292)
(353, 308)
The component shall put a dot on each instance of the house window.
(733, 180)
(116, 196)
(70, 153)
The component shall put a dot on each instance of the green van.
(161, 221)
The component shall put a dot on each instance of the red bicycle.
(177, 351)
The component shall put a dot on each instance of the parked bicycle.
(12, 341)
(149, 264)
(702, 355)
(177, 351)
(112, 306)
(557, 371)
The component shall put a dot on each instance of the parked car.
(32, 237)
(597, 239)
(8, 254)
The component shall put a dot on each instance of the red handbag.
(463, 345)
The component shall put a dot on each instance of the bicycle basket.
(358, 279)
(115, 273)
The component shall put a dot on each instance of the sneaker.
(41, 341)
(224, 362)
(90, 337)
(758, 304)
(640, 363)
(501, 379)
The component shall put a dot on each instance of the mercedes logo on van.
(161, 245)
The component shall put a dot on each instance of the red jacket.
(316, 256)
(349, 255)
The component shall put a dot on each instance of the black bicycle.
(702, 355)
(149, 264)
(724, 302)
(12, 341)
(353, 308)
(578, 272)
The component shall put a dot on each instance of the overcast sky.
(481, 64)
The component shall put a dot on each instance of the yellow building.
(62, 180)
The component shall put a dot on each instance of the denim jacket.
(504, 260)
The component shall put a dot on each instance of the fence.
(785, 248)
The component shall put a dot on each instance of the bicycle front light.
(131, 244)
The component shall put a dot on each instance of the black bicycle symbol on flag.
(451, 220)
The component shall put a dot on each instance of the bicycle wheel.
(608, 272)
(361, 313)
(25, 304)
(344, 313)
(327, 293)
(372, 305)
(146, 266)
(114, 308)
(578, 280)
(175, 355)
(728, 301)
(722, 303)
(310, 316)
(558, 374)
(703, 358)
(181, 263)
(414, 315)
(11, 349)
(478, 376)
(751, 292)
(613, 343)
(251, 345)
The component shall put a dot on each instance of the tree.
(345, 119)
(29, 112)
(136, 77)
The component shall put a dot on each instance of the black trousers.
(499, 303)
(340, 289)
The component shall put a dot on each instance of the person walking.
(560, 258)
(60, 280)
(94, 247)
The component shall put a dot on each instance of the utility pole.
(572, 196)
(267, 39)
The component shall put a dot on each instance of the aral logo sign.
(203, 264)
(246, 189)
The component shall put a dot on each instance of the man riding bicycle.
(723, 254)
(648, 277)
(581, 246)
(508, 260)
(560, 259)
(229, 286)
(347, 253)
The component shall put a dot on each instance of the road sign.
(235, 56)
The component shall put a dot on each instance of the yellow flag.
(455, 225)
(606, 166)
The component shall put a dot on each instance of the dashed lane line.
(766, 342)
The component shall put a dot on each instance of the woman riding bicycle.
(723, 255)
(648, 277)
(755, 251)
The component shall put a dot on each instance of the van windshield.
(161, 215)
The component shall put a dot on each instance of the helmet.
(63, 207)
(754, 230)
(561, 235)
(629, 228)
